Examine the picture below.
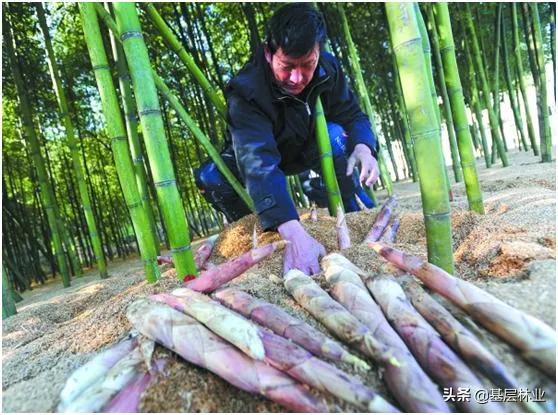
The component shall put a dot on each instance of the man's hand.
(303, 252)
(368, 164)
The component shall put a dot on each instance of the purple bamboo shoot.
(435, 357)
(535, 339)
(196, 344)
(313, 214)
(462, 341)
(128, 399)
(381, 220)
(390, 233)
(94, 370)
(280, 322)
(335, 317)
(343, 237)
(213, 278)
(284, 355)
(204, 252)
(412, 388)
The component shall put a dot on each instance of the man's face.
(293, 74)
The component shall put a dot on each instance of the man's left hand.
(368, 164)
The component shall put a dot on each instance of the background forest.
(220, 38)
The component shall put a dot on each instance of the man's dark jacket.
(273, 133)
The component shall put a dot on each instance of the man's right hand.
(303, 252)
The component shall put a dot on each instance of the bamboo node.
(99, 67)
(119, 138)
(409, 42)
(148, 112)
(181, 249)
(163, 183)
(437, 216)
(134, 205)
(129, 34)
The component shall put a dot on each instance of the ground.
(510, 252)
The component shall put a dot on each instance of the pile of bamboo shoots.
(386, 321)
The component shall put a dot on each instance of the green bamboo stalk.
(404, 120)
(290, 190)
(507, 62)
(457, 173)
(298, 186)
(187, 59)
(474, 136)
(494, 127)
(8, 303)
(542, 101)
(71, 141)
(369, 109)
(523, 89)
(47, 198)
(496, 84)
(186, 118)
(426, 52)
(119, 142)
(130, 114)
(407, 46)
(427, 55)
(475, 103)
(326, 161)
(553, 42)
(154, 137)
(456, 101)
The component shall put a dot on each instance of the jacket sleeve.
(342, 108)
(258, 161)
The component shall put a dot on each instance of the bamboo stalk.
(494, 128)
(326, 160)
(131, 119)
(47, 198)
(507, 62)
(187, 59)
(154, 137)
(354, 61)
(449, 74)
(475, 101)
(406, 40)
(71, 142)
(542, 101)
(522, 87)
(119, 141)
(8, 303)
(445, 96)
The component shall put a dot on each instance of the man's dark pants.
(217, 190)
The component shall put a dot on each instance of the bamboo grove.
(108, 108)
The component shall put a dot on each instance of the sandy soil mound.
(510, 252)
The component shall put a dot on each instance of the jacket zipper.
(306, 104)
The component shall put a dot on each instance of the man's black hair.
(295, 28)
